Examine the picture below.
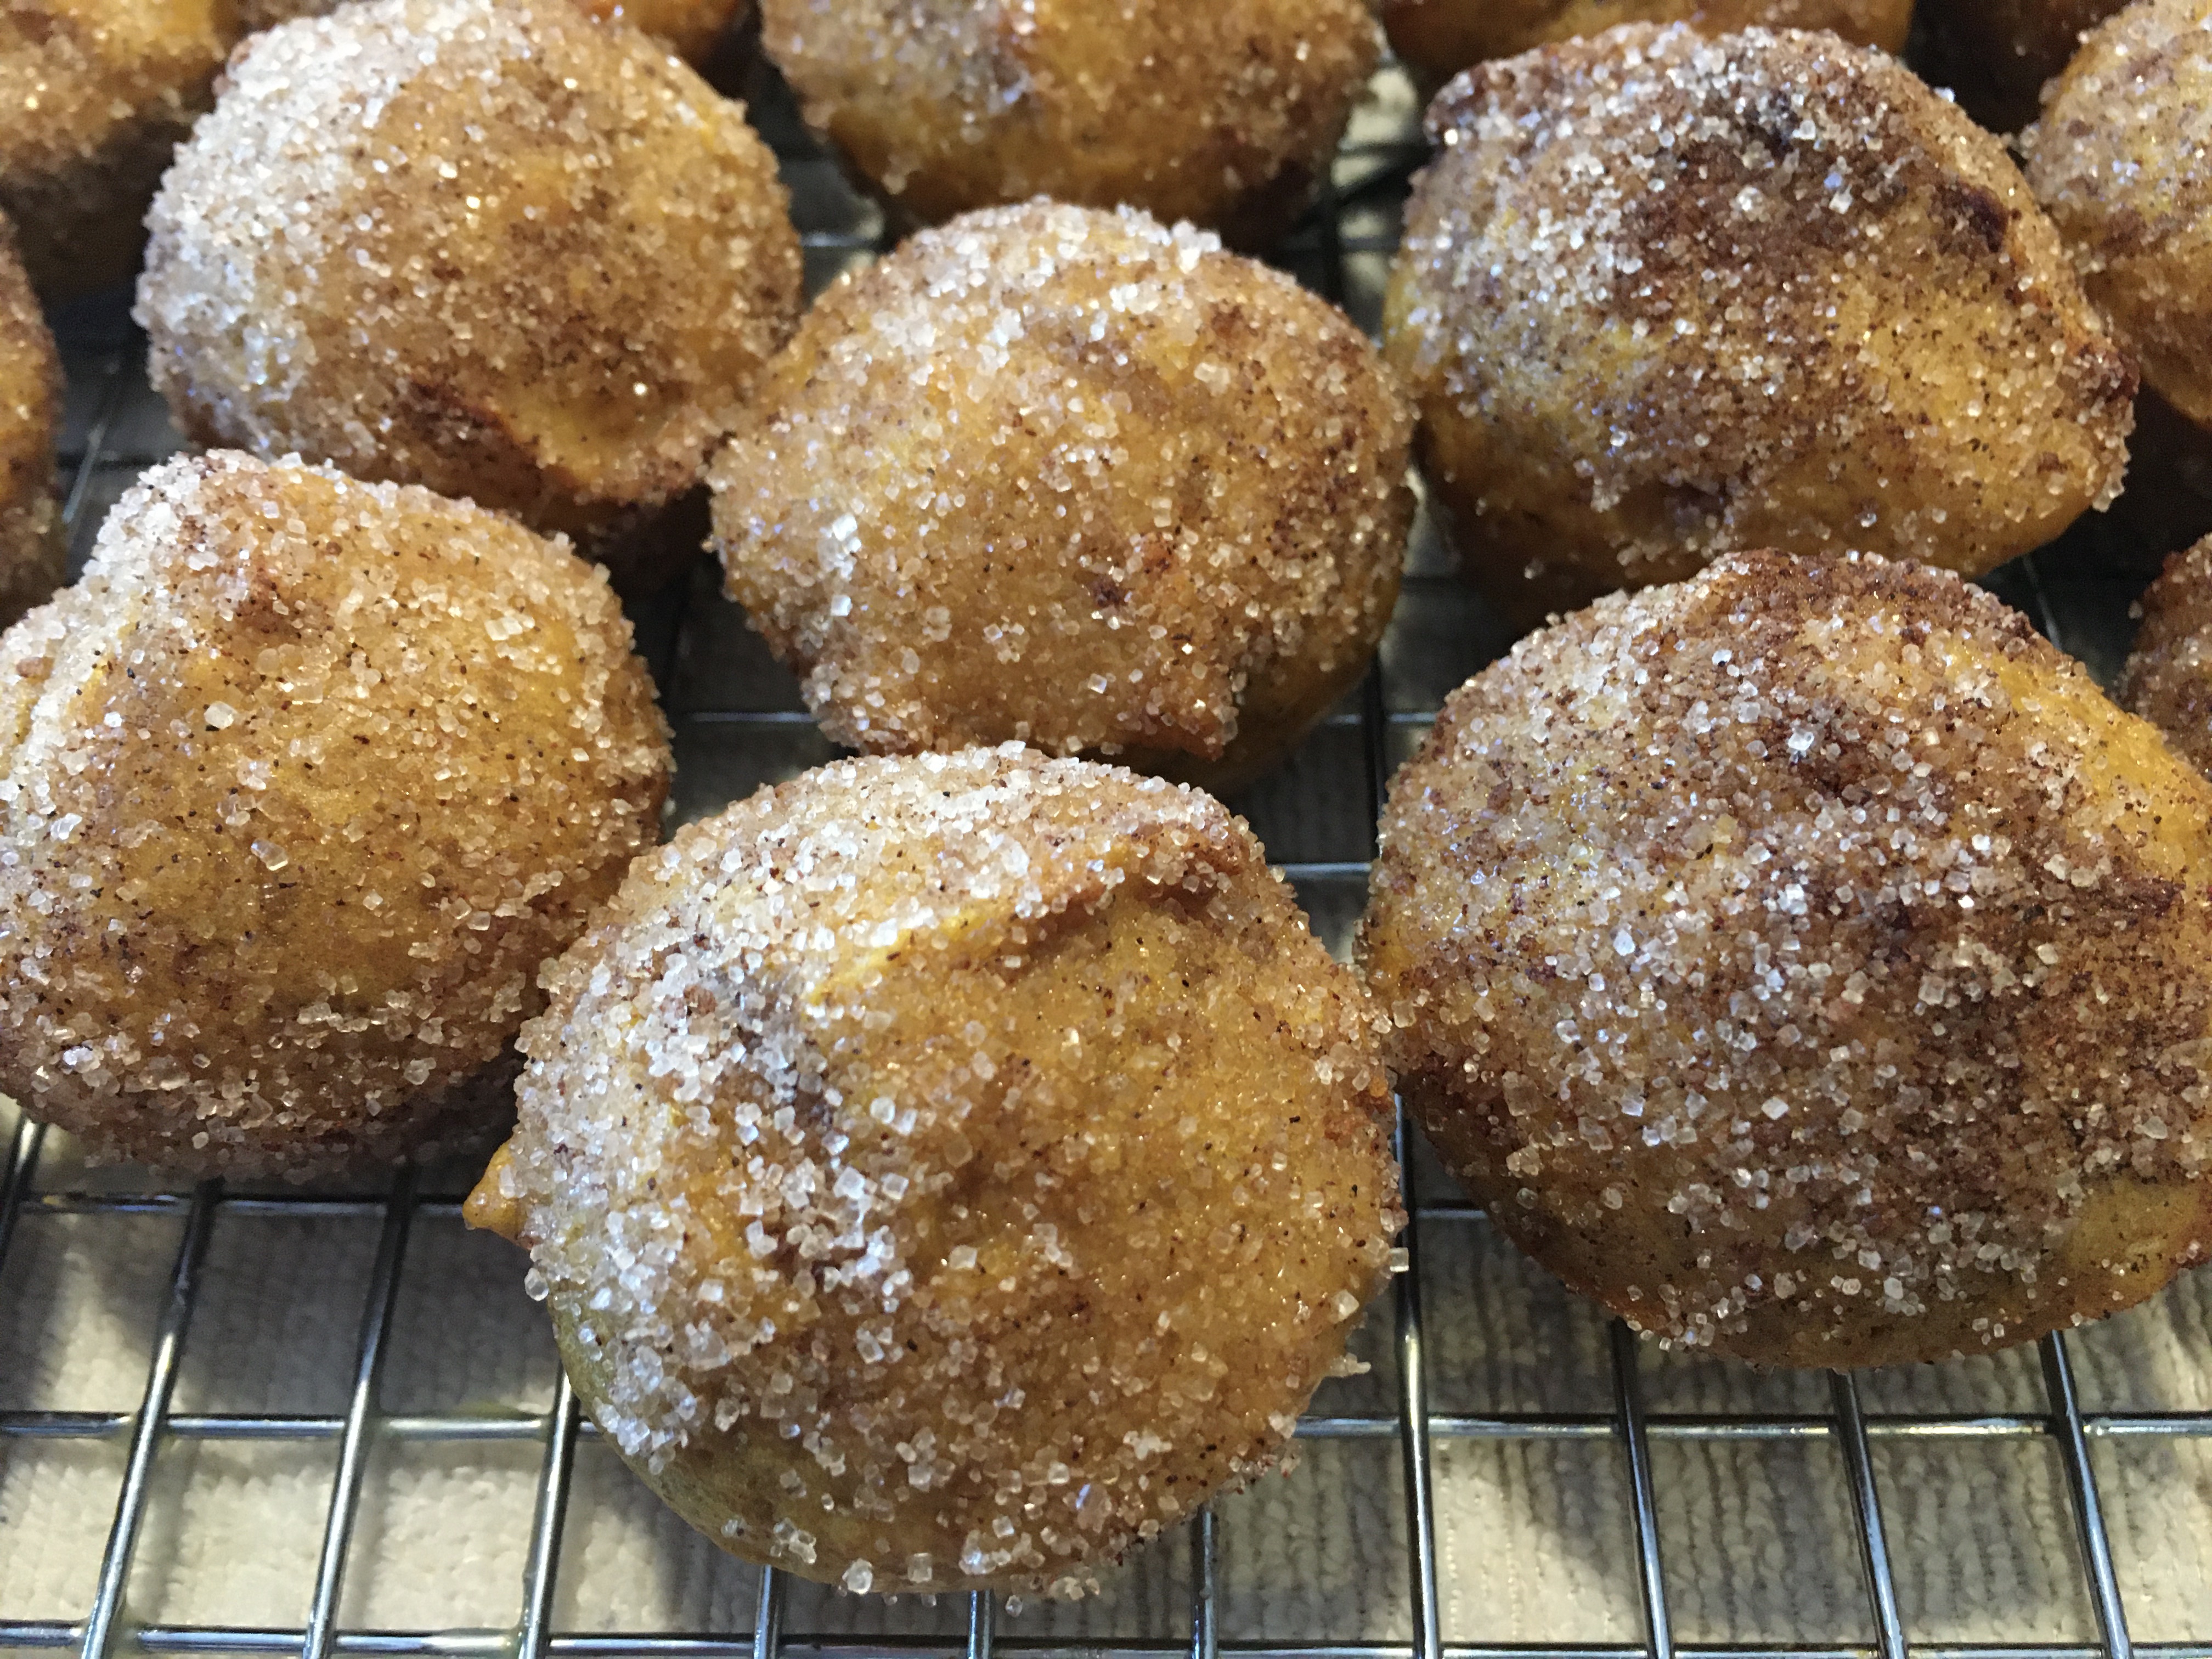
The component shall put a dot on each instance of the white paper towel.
(1535, 1538)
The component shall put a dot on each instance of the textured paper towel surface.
(1535, 1537)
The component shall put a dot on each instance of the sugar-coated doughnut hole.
(1807, 961)
(947, 1171)
(97, 94)
(1661, 297)
(31, 542)
(302, 782)
(2168, 679)
(1436, 38)
(1225, 114)
(1074, 478)
(2117, 160)
(544, 274)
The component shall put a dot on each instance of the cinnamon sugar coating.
(302, 782)
(2168, 679)
(1662, 297)
(947, 1171)
(31, 548)
(1072, 478)
(543, 271)
(1436, 38)
(97, 93)
(1225, 113)
(1808, 961)
(691, 28)
(2118, 160)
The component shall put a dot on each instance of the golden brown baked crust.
(101, 93)
(1997, 54)
(1225, 114)
(691, 28)
(31, 545)
(2117, 160)
(98, 94)
(948, 1171)
(2168, 680)
(1661, 297)
(1436, 38)
(1807, 961)
(572, 255)
(1067, 476)
(302, 783)
(254, 16)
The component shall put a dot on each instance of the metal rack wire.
(1355, 224)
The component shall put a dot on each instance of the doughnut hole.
(544, 277)
(1765, 290)
(98, 93)
(1071, 479)
(2112, 161)
(1224, 114)
(1759, 1065)
(2168, 678)
(947, 1171)
(31, 547)
(304, 778)
(1436, 38)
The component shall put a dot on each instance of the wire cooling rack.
(1863, 1447)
